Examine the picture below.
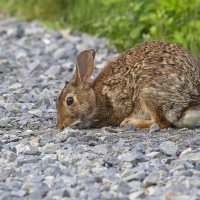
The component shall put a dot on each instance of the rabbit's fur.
(154, 82)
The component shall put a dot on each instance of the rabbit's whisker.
(77, 122)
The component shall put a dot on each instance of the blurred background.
(124, 22)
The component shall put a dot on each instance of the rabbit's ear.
(85, 64)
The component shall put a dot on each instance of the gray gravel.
(38, 161)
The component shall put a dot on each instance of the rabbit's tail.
(190, 118)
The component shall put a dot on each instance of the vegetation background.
(124, 22)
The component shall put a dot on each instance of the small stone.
(173, 195)
(124, 187)
(153, 154)
(106, 182)
(50, 148)
(43, 104)
(53, 71)
(34, 65)
(152, 179)
(60, 53)
(129, 127)
(15, 86)
(133, 157)
(4, 122)
(2, 113)
(49, 158)
(19, 193)
(20, 54)
(137, 195)
(151, 190)
(72, 140)
(88, 138)
(34, 179)
(179, 167)
(135, 185)
(111, 159)
(23, 120)
(24, 108)
(21, 148)
(154, 128)
(33, 150)
(28, 131)
(35, 112)
(19, 31)
(106, 195)
(39, 193)
(5, 195)
(95, 194)
(31, 160)
(61, 137)
(194, 157)
(73, 132)
(27, 98)
(136, 176)
(9, 155)
(66, 193)
(185, 153)
(100, 149)
(49, 178)
(45, 139)
(4, 175)
(51, 48)
(169, 148)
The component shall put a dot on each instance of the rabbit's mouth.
(80, 125)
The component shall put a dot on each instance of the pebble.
(100, 149)
(9, 155)
(60, 53)
(50, 148)
(136, 176)
(151, 179)
(193, 156)
(153, 154)
(137, 195)
(169, 148)
(172, 195)
(185, 153)
(154, 128)
(4, 122)
(123, 187)
(15, 86)
(19, 193)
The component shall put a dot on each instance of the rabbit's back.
(158, 58)
(164, 68)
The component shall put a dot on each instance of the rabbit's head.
(77, 101)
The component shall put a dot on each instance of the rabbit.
(154, 82)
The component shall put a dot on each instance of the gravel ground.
(38, 161)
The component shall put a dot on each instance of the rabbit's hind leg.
(153, 111)
(138, 123)
(190, 118)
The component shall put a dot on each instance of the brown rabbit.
(155, 82)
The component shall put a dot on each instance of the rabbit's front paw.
(138, 123)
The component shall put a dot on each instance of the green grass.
(124, 22)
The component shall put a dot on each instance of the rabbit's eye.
(69, 101)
